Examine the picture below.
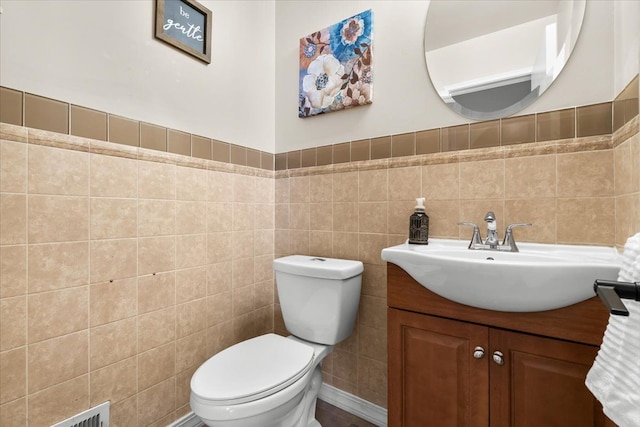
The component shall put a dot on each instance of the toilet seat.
(252, 370)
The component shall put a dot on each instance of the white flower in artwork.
(323, 81)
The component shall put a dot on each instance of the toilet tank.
(319, 297)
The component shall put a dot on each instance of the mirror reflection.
(490, 59)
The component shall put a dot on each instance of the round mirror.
(491, 59)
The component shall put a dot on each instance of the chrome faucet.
(492, 242)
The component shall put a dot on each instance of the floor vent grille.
(98, 416)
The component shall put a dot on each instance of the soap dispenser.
(419, 225)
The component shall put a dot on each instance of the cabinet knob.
(478, 352)
(498, 357)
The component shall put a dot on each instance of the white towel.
(614, 378)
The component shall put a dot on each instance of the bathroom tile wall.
(574, 189)
(164, 259)
(122, 270)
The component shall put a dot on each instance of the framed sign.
(186, 25)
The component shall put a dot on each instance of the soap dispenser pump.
(419, 225)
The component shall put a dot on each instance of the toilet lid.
(252, 369)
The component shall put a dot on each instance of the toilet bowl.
(271, 380)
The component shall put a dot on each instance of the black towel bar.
(611, 293)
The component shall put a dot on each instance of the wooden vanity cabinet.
(442, 370)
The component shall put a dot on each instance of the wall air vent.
(98, 416)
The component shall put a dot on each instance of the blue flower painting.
(336, 70)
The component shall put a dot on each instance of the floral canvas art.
(336, 70)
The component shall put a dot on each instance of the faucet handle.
(508, 235)
(475, 238)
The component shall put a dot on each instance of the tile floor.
(330, 416)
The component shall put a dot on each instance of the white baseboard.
(189, 420)
(354, 405)
(346, 401)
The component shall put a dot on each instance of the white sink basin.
(539, 277)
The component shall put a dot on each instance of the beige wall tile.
(585, 174)
(111, 301)
(47, 177)
(345, 245)
(441, 182)
(45, 261)
(13, 374)
(243, 214)
(370, 246)
(156, 180)
(156, 328)
(123, 412)
(373, 343)
(13, 271)
(345, 187)
(299, 189)
(13, 322)
(219, 186)
(444, 216)
(156, 402)
(242, 272)
(622, 167)
(14, 413)
(321, 216)
(281, 213)
(530, 177)
(57, 219)
(482, 180)
(191, 317)
(48, 313)
(243, 188)
(59, 402)
(219, 308)
(13, 219)
(191, 184)
(191, 250)
(13, 167)
(374, 280)
(156, 254)
(113, 176)
(372, 380)
(263, 268)
(113, 218)
(183, 386)
(219, 216)
(191, 284)
(345, 366)
(299, 216)
(405, 183)
(156, 365)
(321, 188)
(589, 221)
(157, 218)
(113, 342)
(191, 217)
(263, 242)
(219, 277)
(219, 247)
(243, 300)
(57, 360)
(627, 217)
(153, 137)
(115, 382)
(372, 217)
(191, 351)
(539, 212)
(156, 291)
(345, 217)
(282, 188)
(373, 185)
(242, 244)
(220, 151)
(113, 259)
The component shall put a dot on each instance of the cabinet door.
(541, 383)
(434, 378)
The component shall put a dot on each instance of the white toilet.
(273, 381)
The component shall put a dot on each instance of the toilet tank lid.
(326, 268)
